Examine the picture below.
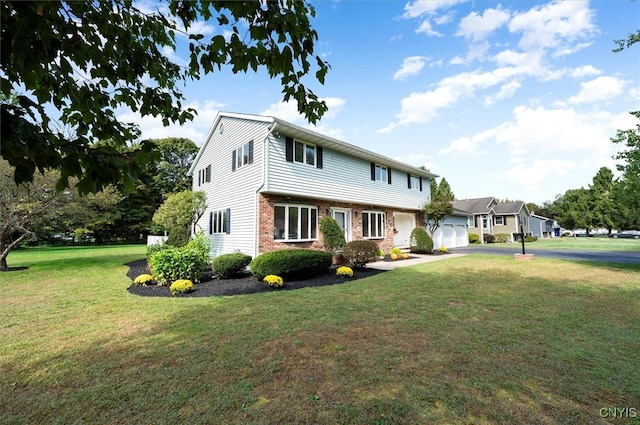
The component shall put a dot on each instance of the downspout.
(265, 152)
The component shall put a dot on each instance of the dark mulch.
(244, 283)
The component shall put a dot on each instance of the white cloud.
(410, 66)
(288, 111)
(601, 89)
(468, 145)
(553, 25)
(196, 130)
(506, 91)
(478, 27)
(531, 176)
(585, 71)
(428, 12)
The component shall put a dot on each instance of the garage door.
(448, 236)
(462, 235)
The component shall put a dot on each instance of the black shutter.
(227, 221)
(199, 178)
(388, 175)
(233, 161)
(408, 180)
(373, 171)
(420, 183)
(208, 176)
(505, 220)
(319, 156)
(289, 149)
(211, 222)
(251, 152)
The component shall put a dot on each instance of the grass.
(597, 244)
(471, 340)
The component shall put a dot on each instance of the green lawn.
(599, 243)
(471, 340)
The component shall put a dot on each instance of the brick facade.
(266, 241)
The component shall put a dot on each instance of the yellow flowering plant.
(344, 271)
(443, 250)
(273, 281)
(143, 280)
(181, 286)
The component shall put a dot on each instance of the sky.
(517, 100)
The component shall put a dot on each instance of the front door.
(343, 217)
(403, 225)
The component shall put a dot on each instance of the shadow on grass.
(404, 347)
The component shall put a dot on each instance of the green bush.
(332, 234)
(359, 253)
(489, 238)
(530, 238)
(173, 264)
(178, 237)
(156, 247)
(420, 241)
(201, 244)
(503, 238)
(474, 238)
(291, 264)
(227, 265)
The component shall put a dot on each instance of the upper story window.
(295, 222)
(242, 156)
(414, 182)
(373, 225)
(304, 153)
(204, 175)
(380, 173)
(500, 220)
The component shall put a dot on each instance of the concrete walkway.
(415, 259)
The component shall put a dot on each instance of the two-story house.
(489, 217)
(268, 182)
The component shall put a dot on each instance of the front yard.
(473, 340)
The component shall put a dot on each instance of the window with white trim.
(242, 156)
(304, 153)
(295, 222)
(414, 182)
(381, 173)
(373, 225)
(499, 220)
(219, 221)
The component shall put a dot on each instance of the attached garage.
(453, 231)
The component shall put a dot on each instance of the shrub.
(396, 251)
(143, 279)
(227, 265)
(530, 238)
(359, 253)
(274, 281)
(291, 263)
(380, 253)
(420, 241)
(156, 247)
(489, 238)
(503, 238)
(176, 263)
(474, 238)
(201, 245)
(332, 234)
(344, 271)
(443, 250)
(178, 237)
(181, 286)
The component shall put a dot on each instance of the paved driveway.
(624, 257)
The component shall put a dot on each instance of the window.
(380, 173)
(242, 156)
(414, 182)
(295, 222)
(304, 153)
(499, 220)
(219, 221)
(373, 224)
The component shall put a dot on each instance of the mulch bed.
(244, 283)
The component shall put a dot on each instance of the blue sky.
(515, 100)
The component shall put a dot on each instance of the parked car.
(627, 234)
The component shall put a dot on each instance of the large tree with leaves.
(86, 59)
(440, 206)
(627, 189)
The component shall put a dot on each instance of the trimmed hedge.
(227, 265)
(291, 264)
(178, 237)
(173, 264)
(420, 242)
(503, 237)
(332, 234)
(474, 238)
(359, 253)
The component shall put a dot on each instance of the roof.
(474, 206)
(509, 208)
(281, 126)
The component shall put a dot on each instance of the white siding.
(235, 190)
(342, 178)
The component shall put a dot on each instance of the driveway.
(624, 257)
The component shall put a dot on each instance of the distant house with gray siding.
(488, 216)
(268, 183)
(542, 227)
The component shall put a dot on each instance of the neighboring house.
(268, 183)
(542, 227)
(491, 218)
(453, 231)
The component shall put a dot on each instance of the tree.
(21, 205)
(86, 59)
(181, 209)
(628, 187)
(444, 190)
(600, 197)
(176, 156)
(439, 207)
(574, 211)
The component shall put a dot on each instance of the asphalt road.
(624, 257)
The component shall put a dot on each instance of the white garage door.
(448, 236)
(462, 236)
